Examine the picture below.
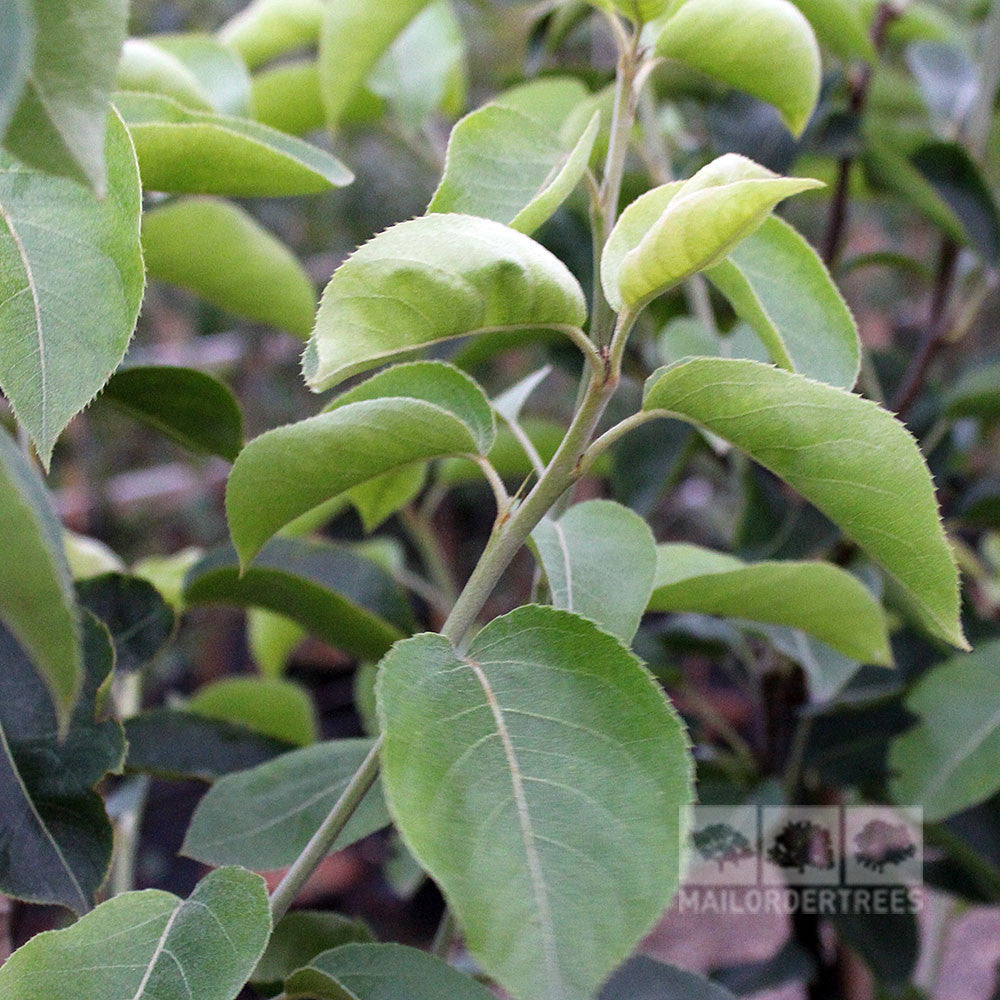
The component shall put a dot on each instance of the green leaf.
(194, 409)
(299, 937)
(89, 557)
(270, 706)
(265, 29)
(976, 393)
(678, 229)
(503, 165)
(643, 978)
(381, 972)
(539, 778)
(599, 559)
(433, 279)
(150, 944)
(71, 281)
(380, 498)
(37, 602)
(57, 837)
(17, 50)
(138, 619)
(823, 600)
(339, 596)
(147, 69)
(167, 573)
(192, 152)
(950, 760)
(353, 36)
(220, 72)
(549, 100)
(406, 414)
(178, 745)
(287, 97)
(272, 638)
(61, 123)
(777, 283)
(220, 252)
(262, 818)
(846, 455)
(840, 26)
(765, 47)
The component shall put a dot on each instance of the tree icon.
(802, 844)
(721, 843)
(881, 843)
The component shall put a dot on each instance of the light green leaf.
(406, 414)
(37, 602)
(146, 68)
(765, 47)
(287, 97)
(777, 283)
(353, 36)
(378, 499)
(503, 165)
(950, 760)
(71, 281)
(330, 590)
(150, 944)
(550, 100)
(89, 557)
(272, 638)
(263, 817)
(599, 559)
(840, 26)
(299, 937)
(17, 50)
(511, 401)
(539, 778)
(61, 123)
(221, 74)
(823, 600)
(195, 409)
(267, 705)
(846, 455)
(167, 573)
(266, 29)
(191, 152)
(678, 229)
(381, 972)
(220, 252)
(433, 279)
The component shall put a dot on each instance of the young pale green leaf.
(266, 29)
(504, 165)
(220, 252)
(298, 938)
(36, 590)
(60, 125)
(150, 945)
(177, 745)
(89, 557)
(271, 639)
(62, 248)
(194, 409)
(137, 617)
(765, 47)
(539, 778)
(336, 594)
(599, 559)
(147, 69)
(270, 706)
(549, 100)
(286, 97)
(846, 455)
(192, 152)
(221, 74)
(510, 402)
(57, 837)
(433, 279)
(823, 600)
(353, 36)
(17, 51)
(381, 972)
(262, 818)
(840, 26)
(406, 414)
(643, 978)
(950, 760)
(167, 573)
(678, 229)
(777, 283)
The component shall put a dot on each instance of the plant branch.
(421, 533)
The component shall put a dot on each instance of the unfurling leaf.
(765, 47)
(540, 778)
(678, 229)
(145, 944)
(846, 455)
(71, 281)
(433, 279)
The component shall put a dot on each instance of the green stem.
(421, 533)
(323, 839)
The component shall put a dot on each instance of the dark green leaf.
(643, 978)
